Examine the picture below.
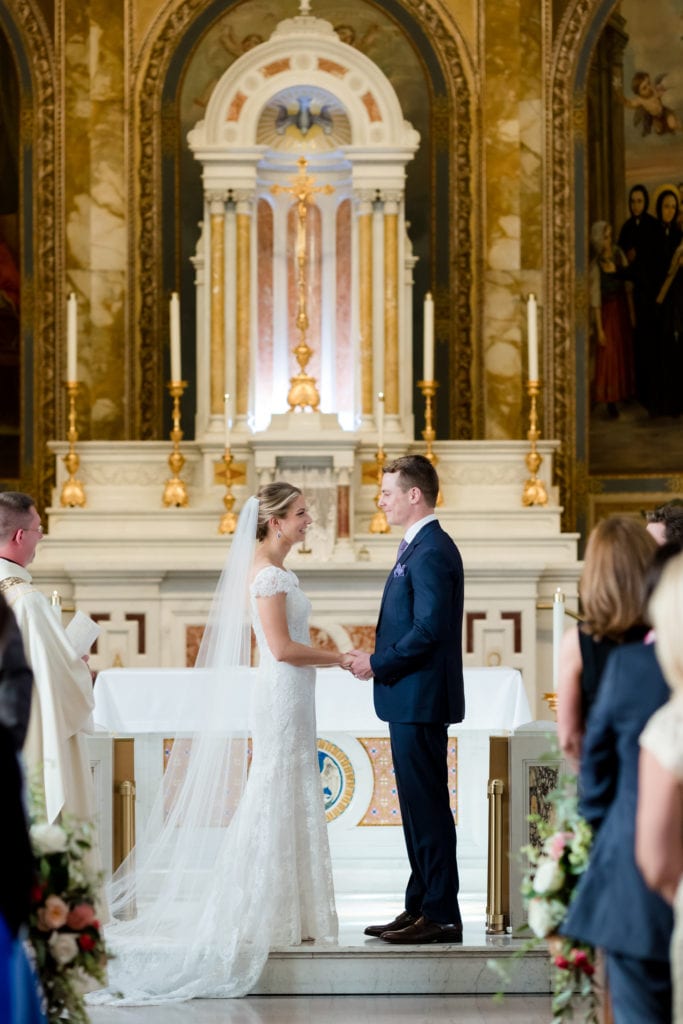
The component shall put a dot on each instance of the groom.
(417, 669)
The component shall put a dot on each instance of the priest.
(55, 749)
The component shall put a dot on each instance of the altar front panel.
(366, 840)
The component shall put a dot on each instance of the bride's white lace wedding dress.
(270, 884)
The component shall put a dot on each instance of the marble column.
(216, 201)
(365, 277)
(391, 280)
(244, 207)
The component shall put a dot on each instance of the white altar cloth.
(166, 700)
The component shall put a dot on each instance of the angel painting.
(650, 112)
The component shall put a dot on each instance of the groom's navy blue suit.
(419, 691)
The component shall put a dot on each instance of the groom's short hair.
(416, 471)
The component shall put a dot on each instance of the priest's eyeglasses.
(33, 529)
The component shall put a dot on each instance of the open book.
(82, 632)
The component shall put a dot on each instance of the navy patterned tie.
(401, 548)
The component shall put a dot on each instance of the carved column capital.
(216, 201)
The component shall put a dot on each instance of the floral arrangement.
(64, 934)
(555, 863)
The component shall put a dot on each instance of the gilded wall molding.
(564, 118)
(164, 37)
(41, 209)
(152, 136)
(462, 200)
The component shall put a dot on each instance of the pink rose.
(558, 843)
(582, 962)
(80, 917)
(53, 915)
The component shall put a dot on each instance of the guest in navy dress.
(613, 909)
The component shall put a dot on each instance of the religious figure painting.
(635, 357)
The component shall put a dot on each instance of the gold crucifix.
(303, 393)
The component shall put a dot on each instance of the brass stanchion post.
(495, 919)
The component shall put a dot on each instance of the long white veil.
(176, 898)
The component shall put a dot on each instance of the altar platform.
(362, 965)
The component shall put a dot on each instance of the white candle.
(428, 338)
(380, 420)
(558, 630)
(175, 337)
(532, 336)
(227, 419)
(71, 332)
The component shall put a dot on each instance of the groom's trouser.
(419, 752)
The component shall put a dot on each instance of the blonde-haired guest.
(659, 825)
(612, 590)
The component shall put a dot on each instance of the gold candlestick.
(534, 489)
(175, 492)
(73, 494)
(229, 519)
(428, 389)
(378, 523)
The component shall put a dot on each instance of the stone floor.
(422, 974)
(406, 1009)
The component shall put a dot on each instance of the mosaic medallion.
(337, 777)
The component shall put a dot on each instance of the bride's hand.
(346, 661)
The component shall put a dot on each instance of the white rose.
(544, 916)
(549, 877)
(63, 946)
(82, 982)
(47, 839)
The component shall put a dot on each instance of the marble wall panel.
(513, 217)
(95, 208)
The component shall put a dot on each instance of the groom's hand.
(360, 665)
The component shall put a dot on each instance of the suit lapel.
(405, 557)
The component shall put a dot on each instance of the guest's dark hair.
(671, 514)
(663, 555)
(416, 471)
(273, 500)
(14, 505)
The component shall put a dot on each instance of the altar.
(150, 706)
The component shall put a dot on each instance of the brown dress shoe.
(423, 931)
(402, 921)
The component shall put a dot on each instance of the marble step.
(362, 965)
(380, 969)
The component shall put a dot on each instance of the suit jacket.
(613, 908)
(417, 664)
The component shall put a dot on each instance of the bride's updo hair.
(273, 500)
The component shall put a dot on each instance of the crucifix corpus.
(303, 392)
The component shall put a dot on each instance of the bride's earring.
(278, 534)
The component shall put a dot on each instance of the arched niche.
(566, 229)
(41, 260)
(304, 95)
(448, 203)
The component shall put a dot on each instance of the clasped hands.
(358, 663)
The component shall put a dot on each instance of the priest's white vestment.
(61, 710)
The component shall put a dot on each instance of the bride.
(229, 868)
